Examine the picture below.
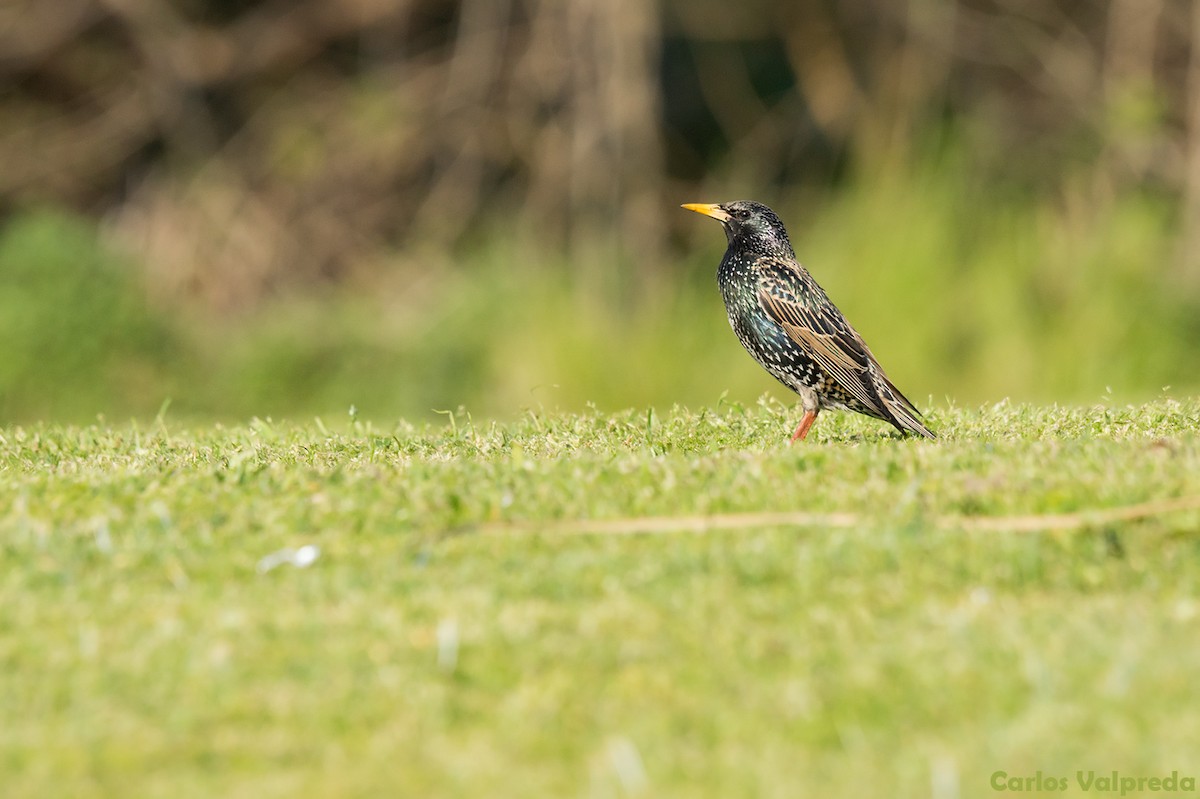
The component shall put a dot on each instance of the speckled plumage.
(788, 323)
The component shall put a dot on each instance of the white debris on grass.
(627, 765)
(300, 557)
(447, 644)
(102, 535)
(943, 777)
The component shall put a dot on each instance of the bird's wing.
(789, 296)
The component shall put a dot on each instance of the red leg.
(805, 423)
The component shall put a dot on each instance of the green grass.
(456, 638)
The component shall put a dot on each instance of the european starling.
(787, 322)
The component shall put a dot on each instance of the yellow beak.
(715, 211)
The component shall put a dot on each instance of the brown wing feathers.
(816, 325)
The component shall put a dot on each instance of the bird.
(787, 322)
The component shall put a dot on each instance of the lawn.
(655, 604)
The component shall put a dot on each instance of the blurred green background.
(263, 208)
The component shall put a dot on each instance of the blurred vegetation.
(260, 208)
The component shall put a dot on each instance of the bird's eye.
(740, 213)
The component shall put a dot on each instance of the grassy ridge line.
(1001, 461)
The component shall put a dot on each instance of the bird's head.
(749, 224)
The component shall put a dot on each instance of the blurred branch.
(272, 37)
(472, 78)
(825, 73)
(32, 30)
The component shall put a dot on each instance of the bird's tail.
(901, 412)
